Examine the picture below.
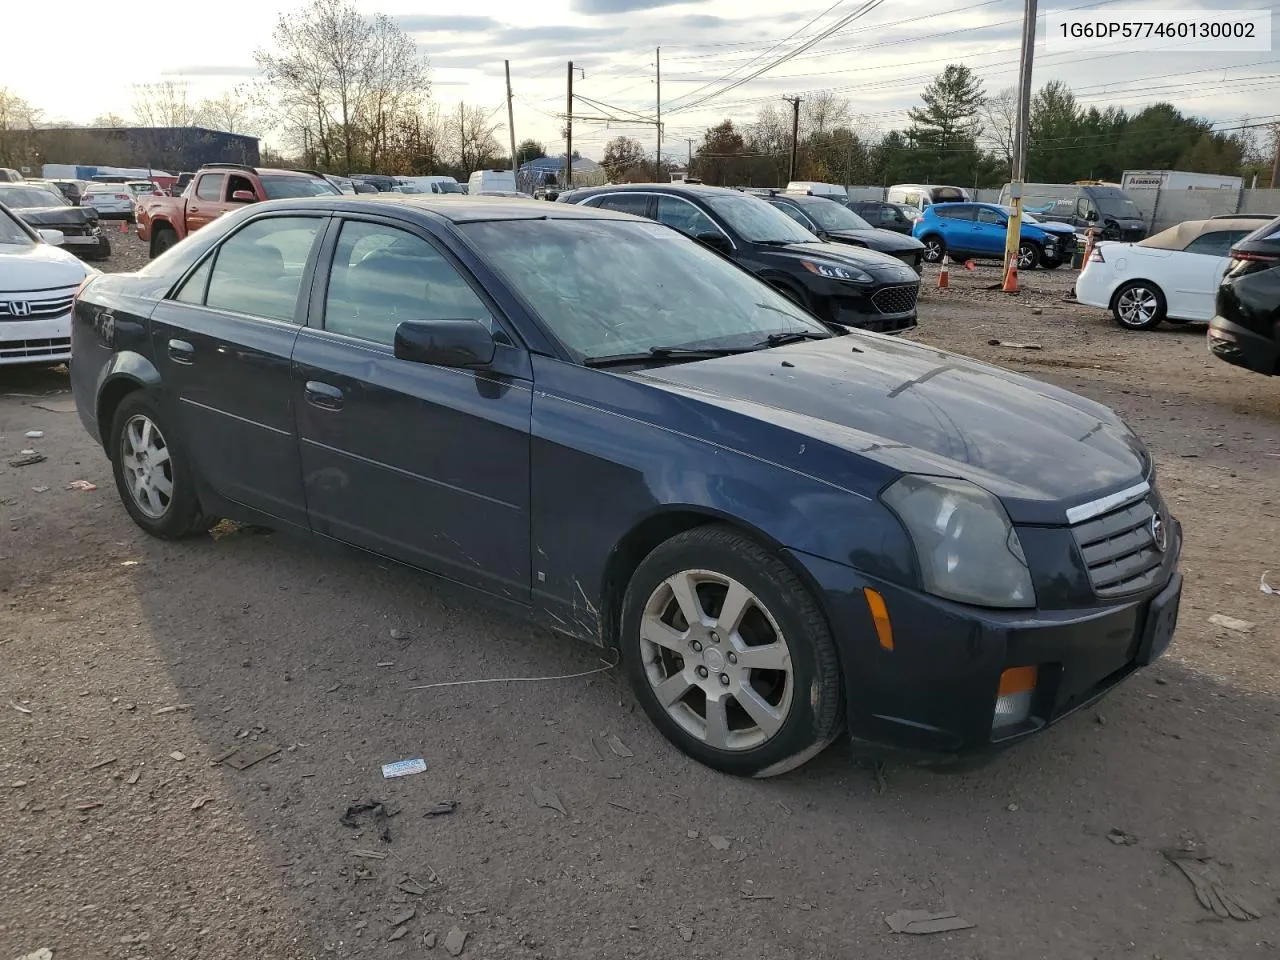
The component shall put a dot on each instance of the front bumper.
(882, 307)
(1242, 347)
(932, 697)
(35, 341)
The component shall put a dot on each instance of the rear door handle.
(323, 395)
(182, 352)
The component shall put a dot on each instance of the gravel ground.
(130, 666)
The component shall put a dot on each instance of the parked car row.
(44, 208)
(795, 528)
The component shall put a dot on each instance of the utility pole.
(1014, 236)
(795, 131)
(658, 167)
(688, 170)
(1275, 162)
(511, 123)
(568, 132)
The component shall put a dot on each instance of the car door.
(1196, 272)
(425, 464)
(989, 232)
(206, 201)
(958, 227)
(222, 342)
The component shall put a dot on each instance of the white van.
(492, 181)
(921, 195)
(812, 188)
(431, 184)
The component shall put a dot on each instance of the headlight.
(833, 272)
(967, 548)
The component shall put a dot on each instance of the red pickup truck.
(217, 188)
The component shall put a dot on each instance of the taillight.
(917, 220)
(123, 196)
(1257, 257)
(1096, 256)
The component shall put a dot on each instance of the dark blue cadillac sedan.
(787, 529)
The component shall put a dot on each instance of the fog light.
(1013, 703)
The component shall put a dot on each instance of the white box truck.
(1176, 180)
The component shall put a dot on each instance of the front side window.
(990, 217)
(210, 186)
(259, 269)
(236, 182)
(608, 288)
(383, 276)
(685, 217)
(794, 213)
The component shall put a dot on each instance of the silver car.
(113, 201)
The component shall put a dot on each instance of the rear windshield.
(1268, 234)
(284, 188)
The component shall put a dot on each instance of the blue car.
(978, 230)
(782, 529)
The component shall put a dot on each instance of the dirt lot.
(127, 666)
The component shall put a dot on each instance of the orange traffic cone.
(970, 265)
(1011, 278)
(944, 279)
(124, 226)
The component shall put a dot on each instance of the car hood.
(886, 241)
(52, 216)
(1059, 229)
(879, 264)
(41, 266)
(913, 409)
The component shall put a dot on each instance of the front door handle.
(182, 352)
(323, 395)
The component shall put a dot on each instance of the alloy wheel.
(148, 468)
(716, 659)
(1137, 306)
(933, 250)
(1027, 257)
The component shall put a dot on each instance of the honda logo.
(19, 308)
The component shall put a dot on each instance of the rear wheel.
(935, 248)
(1138, 305)
(1050, 264)
(730, 655)
(152, 474)
(162, 238)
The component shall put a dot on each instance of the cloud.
(210, 70)
(444, 23)
(594, 8)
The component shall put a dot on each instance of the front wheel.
(152, 475)
(730, 655)
(1138, 306)
(1028, 256)
(935, 248)
(1050, 263)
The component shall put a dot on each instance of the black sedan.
(833, 222)
(44, 208)
(883, 215)
(837, 283)
(1245, 329)
(782, 531)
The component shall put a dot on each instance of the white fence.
(1160, 208)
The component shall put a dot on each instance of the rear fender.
(126, 372)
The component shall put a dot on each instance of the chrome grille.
(17, 306)
(1119, 548)
(896, 299)
(34, 349)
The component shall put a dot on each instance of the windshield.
(283, 188)
(610, 288)
(11, 231)
(832, 216)
(31, 197)
(758, 221)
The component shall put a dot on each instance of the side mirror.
(716, 241)
(445, 343)
(244, 196)
(55, 237)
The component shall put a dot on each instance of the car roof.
(696, 189)
(457, 207)
(1177, 237)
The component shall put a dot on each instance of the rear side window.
(259, 269)
(625, 203)
(953, 213)
(382, 276)
(210, 187)
(1214, 244)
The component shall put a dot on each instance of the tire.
(935, 248)
(171, 515)
(104, 250)
(1028, 255)
(795, 694)
(1049, 264)
(1138, 305)
(162, 238)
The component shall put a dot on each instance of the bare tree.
(472, 137)
(822, 112)
(232, 112)
(395, 83)
(999, 117)
(164, 104)
(18, 120)
(109, 120)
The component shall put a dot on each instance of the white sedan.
(38, 283)
(1173, 275)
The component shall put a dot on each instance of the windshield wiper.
(665, 353)
(779, 243)
(793, 336)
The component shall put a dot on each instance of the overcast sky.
(83, 61)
